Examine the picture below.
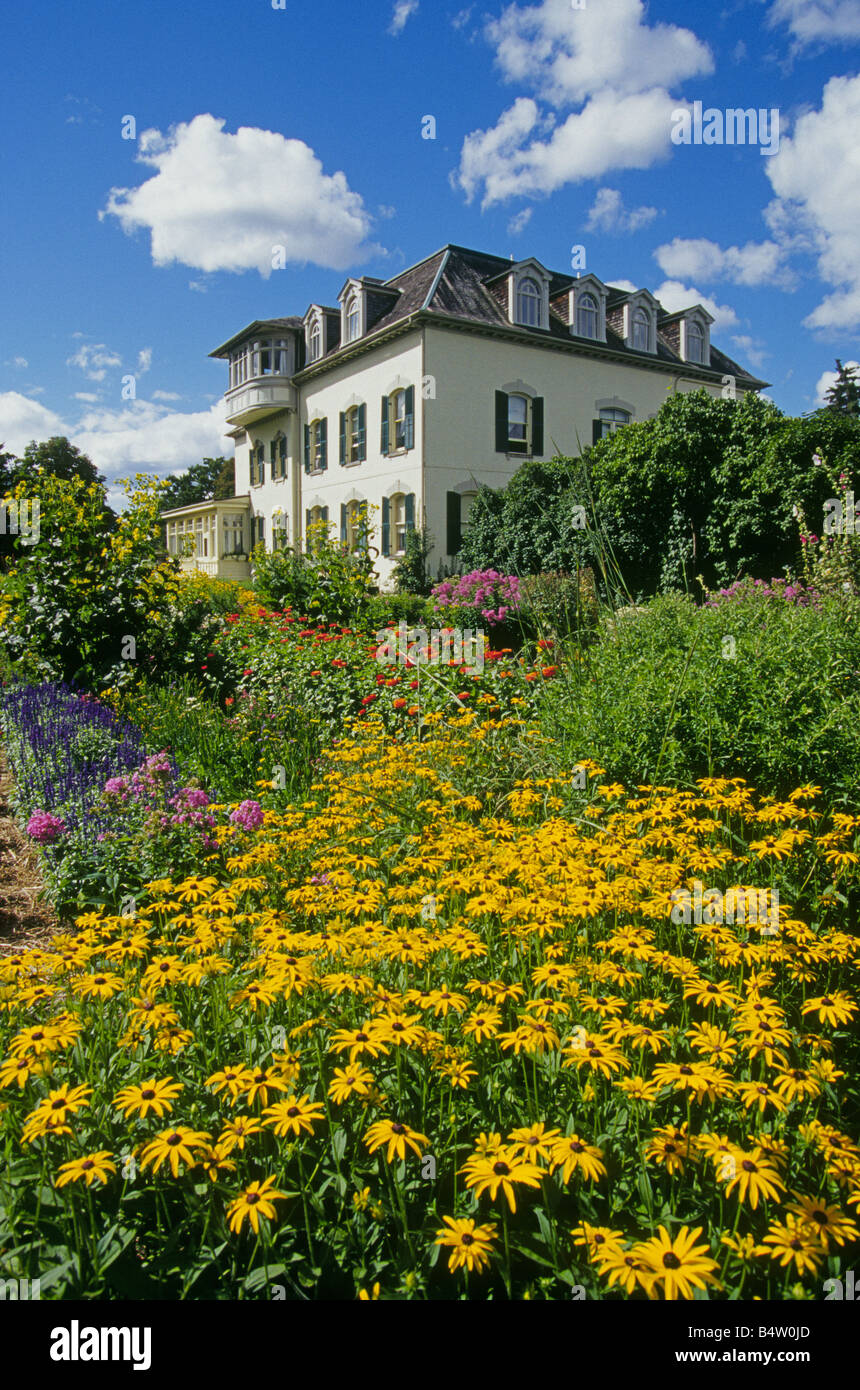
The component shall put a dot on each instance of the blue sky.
(301, 126)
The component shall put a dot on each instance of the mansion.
(393, 408)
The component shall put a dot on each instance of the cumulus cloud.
(147, 436)
(403, 11)
(17, 362)
(815, 175)
(626, 285)
(673, 296)
(228, 202)
(23, 419)
(565, 58)
(143, 435)
(817, 21)
(756, 263)
(611, 132)
(828, 379)
(94, 359)
(88, 396)
(608, 213)
(144, 361)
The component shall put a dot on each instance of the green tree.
(843, 397)
(55, 458)
(81, 598)
(212, 480)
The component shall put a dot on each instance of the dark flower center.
(501, 1168)
(748, 1166)
(398, 1129)
(466, 1239)
(87, 1165)
(148, 1094)
(671, 1261)
(685, 1070)
(174, 1139)
(252, 1198)
(293, 1110)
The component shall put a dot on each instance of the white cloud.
(626, 285)
(144, 361)
(520, 221)
(199, 286)
(753, 349)
(149, 437)
(462, 17)
(23, 419)
(94, 359)
(227, 202)
(403, 11)
(816, 177)
(604, 58)
(828, 379)
(608, 213)
(611, 132)
(87, 396)
(818, 21)
(756, 263)
(566, 56)
(17, 362)
(166, 396)
(144, 436)
(673, 296)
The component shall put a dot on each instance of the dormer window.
(315, 342)
(695, 342)
(529, 303)
(353, 319)
(641, 331)
(587, 316)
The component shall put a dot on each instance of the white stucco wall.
(459, 425)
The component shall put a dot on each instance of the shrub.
(761, 682)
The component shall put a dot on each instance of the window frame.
(586, 304)
(529, 291)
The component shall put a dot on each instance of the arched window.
(356, 525)
(315, 343)
(641, 331)
(587, 317)
(279, 455)
(529, 300)
(353, 319)
(695, 342)
(610, 421)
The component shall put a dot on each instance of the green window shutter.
(454, 530)
(307, 527)
(537, 426)
(324, 511)
(343, 523)
(409, 423)
(343, 436)
(410, 511)
(362, 432)
(501, 422)
(386, 526)
(324, 443)
(307, 448)
(596, 431)
(384, 432)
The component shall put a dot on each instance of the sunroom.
(211, 538)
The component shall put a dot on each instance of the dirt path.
(24, 920)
